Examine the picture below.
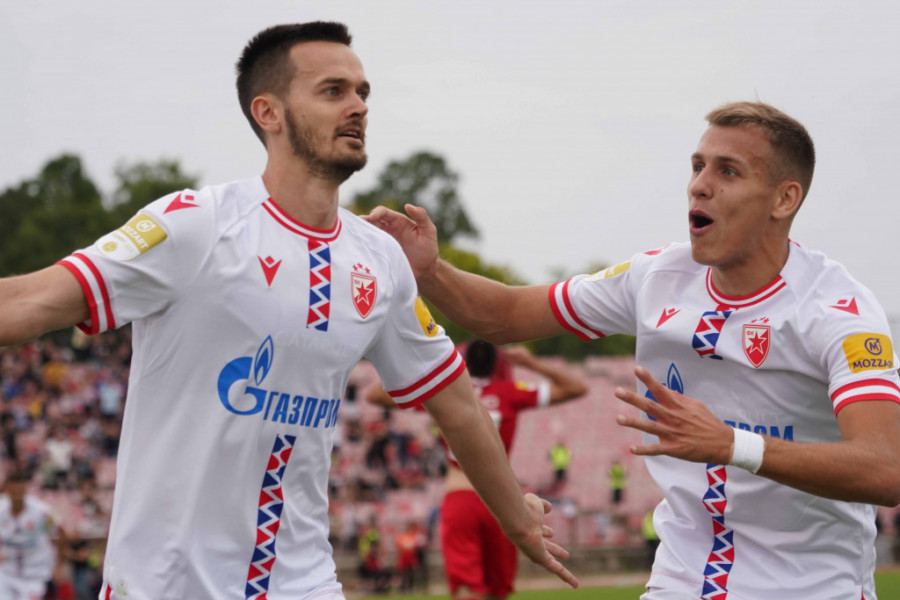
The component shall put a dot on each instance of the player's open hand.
(686, 428)
(537, 545)
(416, 234)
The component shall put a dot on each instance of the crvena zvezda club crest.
(364, 289)
(756, 343)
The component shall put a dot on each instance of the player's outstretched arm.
(470, 433)
(564, 385)
(492, 311)
(33, 304)
(863, 467)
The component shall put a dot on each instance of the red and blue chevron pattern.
(319, 285)
(721, 559)
(707, 333)
(271, 502)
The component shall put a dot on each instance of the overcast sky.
(570, 123)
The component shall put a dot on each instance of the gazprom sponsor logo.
(278, 406)
(869, 352)
(786, 432)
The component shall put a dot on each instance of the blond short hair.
(793, 152)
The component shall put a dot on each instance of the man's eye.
(332, 91)
(697, 167)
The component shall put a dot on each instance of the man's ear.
(268, 112)
(790, 195)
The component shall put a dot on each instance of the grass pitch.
(887, 585)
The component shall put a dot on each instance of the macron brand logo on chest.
(270, 268)
(667, 314)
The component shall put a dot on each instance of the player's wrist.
(748, 450)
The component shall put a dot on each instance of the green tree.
(50, 216)
(61, 210)
(424, 179)
(141, 183)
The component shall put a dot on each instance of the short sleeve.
(594, 306)
(144, 265)
(412, 354)
(858, 351)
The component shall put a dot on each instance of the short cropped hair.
(481, 358)
(265, 66)
(794, 156)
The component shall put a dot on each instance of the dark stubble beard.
(303, 145)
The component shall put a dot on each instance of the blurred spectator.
(58, 450)
(406, 543)
(616, 483)
(31, 542)
(560, 458)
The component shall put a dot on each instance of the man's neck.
(745, 279)
(306, 198)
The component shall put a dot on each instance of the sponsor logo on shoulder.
(869, 352)
(610, 272)
(132, 239)
(425, 319)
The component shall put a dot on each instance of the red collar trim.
(285, 220)
(765, 292)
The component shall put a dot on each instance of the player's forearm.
(476, 445)
(491, 310)
(18, 316)
(841, 471)
(475, 303)
(33, 304)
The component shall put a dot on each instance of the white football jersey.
(26, 549)
(780, 362)
(246, 326)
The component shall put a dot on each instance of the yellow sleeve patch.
(868, 352)
(132, 239)
(425, 319)
(611, 271)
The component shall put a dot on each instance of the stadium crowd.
(61, 405)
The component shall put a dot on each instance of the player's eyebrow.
(343, 81)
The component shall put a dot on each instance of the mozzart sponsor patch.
(425, 319)
(869, 352)
(611, 271)
(132, 239)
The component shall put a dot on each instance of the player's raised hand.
(686, 428)
(416, 234)
(537, 546)
(519, 355)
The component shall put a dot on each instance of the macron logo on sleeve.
(181, 201)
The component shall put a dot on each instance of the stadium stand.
(61, 404)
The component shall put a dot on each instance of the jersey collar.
(286, 221)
